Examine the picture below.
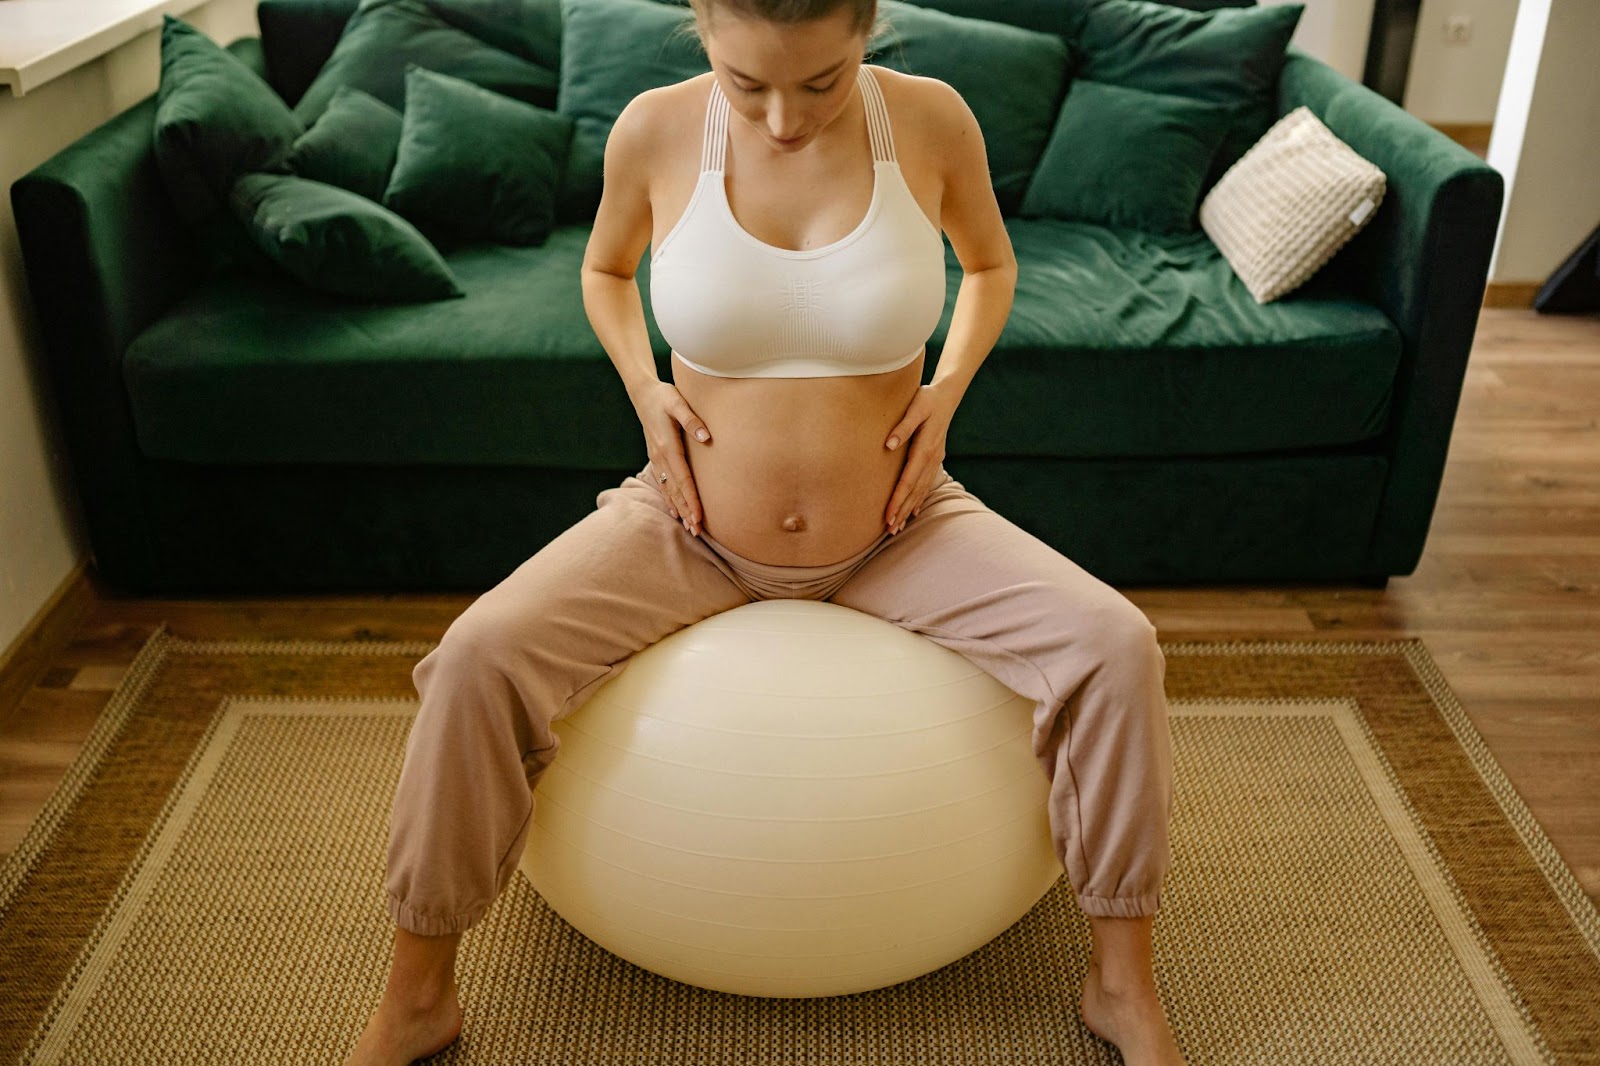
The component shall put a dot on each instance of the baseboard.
(1511, 293)
(41, 641)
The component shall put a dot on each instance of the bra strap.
(716, 131)
(877, 116)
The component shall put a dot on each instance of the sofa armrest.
(105, 254)
(1424, 260)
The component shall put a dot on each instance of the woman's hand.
(925, 424)
(665, 415)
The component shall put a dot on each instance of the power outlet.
(1458, 29)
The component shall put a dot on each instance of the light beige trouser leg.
(529, 651)
(973, 581)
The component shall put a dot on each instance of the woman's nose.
(784, 123)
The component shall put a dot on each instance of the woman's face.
(787, 80)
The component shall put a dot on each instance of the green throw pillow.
(1230, 56)
(339, 242)
(474, 165)
(383, 37)
(1062, 17)
(215, 119)
(1126, 157)
(352, 145)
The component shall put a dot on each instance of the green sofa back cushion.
(340, 242)
(384, 36)
(351, 145)
(476, 165)
(1127, 157)
(527, 28)
(1228, 56)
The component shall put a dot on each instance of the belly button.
(794, 523)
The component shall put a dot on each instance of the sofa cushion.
(475, 165)
(1229, 56)
(351, 145)
(384, 36)
(1124, 343)
(1126, 157)
(340, 242)
(215, 119)
(1119, 344)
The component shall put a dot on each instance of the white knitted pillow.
(1289, 203)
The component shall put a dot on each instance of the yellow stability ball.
(793, 798)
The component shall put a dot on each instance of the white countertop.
(43, 39)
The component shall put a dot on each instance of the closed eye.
(809, 89)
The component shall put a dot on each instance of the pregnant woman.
(794, 198)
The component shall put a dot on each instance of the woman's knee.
(489, 652)
(484, 634)
(1122, 636)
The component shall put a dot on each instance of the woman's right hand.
(665, 416)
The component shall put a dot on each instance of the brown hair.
(865, 20)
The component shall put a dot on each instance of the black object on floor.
(1575, 285)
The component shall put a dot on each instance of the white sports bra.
(865, 304)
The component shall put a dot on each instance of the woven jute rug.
(1354, 881)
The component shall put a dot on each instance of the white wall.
(1459, 81)
(1449, 81)
(1546, 139)
(41, 531)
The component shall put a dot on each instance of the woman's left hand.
(924, 425)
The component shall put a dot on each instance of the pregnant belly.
(796, 473)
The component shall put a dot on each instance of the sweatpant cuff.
(1120, 906)
(423, 923)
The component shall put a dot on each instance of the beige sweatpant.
(534, 647)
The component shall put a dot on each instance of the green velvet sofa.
(1140, 413)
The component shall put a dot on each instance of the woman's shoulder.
(928, 102)
(668, 107)
(924, 114)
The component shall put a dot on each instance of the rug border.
(20, 863)
(1563, 882)
(70, 997)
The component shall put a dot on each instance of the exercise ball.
(793, 799)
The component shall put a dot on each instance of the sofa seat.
(1119, 344)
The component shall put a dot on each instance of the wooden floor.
(1506, 597)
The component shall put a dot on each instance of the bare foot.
(1132, 1019)
(398, 1033)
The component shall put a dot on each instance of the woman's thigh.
(617, 581)
(976, 582)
